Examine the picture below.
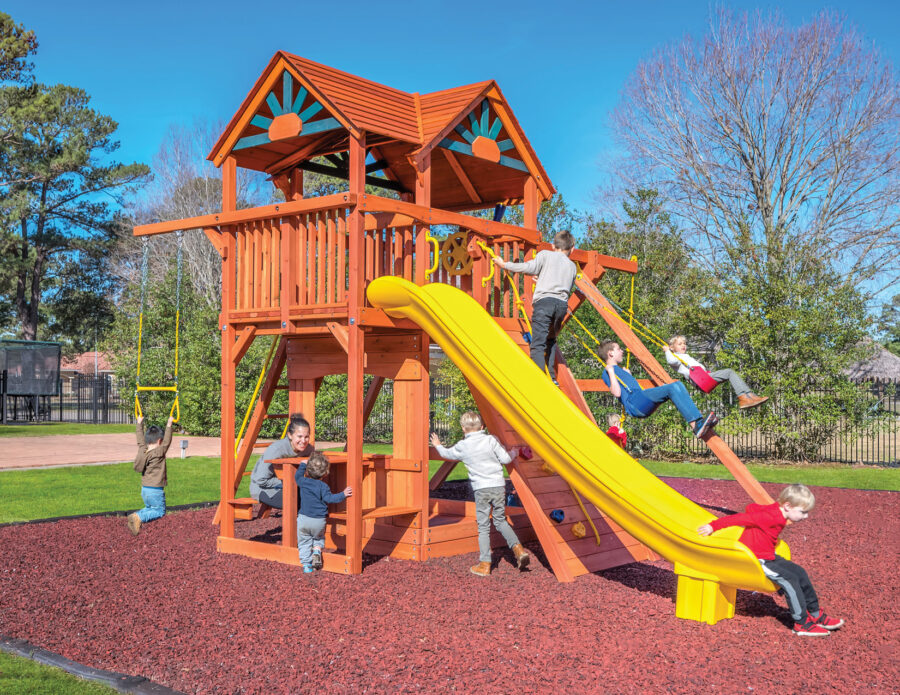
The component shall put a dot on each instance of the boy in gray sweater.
(555, 275)
(483, 457)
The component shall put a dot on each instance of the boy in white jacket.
(483, 457)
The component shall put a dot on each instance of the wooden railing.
(298, 252)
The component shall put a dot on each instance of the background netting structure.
(32, 367)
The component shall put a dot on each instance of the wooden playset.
(299, 269)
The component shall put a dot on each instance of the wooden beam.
(440, 475)
(461, 175)
(226, 478)
(329, 141)
(341, 173)
(229, 217)
(433, 216)
(215, 237)
(340, 334)
(355, 357)
(242, 344)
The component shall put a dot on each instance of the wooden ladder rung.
(280, 416)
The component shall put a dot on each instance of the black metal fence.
(876, 441)
(82, 399)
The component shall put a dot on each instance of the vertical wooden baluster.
(321, 238)
(407, 253)
(275, 264)
(302, 251)
(330, 256)
(377, 252)
(265, 262)
(342, 255)
(311, 259)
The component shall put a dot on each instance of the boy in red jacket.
(763, 523)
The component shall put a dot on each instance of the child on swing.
(676, 356)
(640, 402)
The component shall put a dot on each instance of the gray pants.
(739, 385)
(486, 500)
(310, 534)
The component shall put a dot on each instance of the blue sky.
(560, 64)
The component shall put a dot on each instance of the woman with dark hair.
(265, 486)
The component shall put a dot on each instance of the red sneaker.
(826, 621)
(810, 629)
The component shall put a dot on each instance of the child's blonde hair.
(613, 419)
(564, 240)
(798, 495)
(317, 466)
(470, 421)
(674, 338)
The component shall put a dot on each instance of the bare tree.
(186, 185)
(772, 139)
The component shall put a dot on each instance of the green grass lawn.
(861, 478)
(44, 429)
(21, 676)
(51, 492)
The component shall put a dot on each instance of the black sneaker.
(317, 559)
(703, 426)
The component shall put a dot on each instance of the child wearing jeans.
(763, 523)
(483, 457)
(615, 431)
(315, 496)
(150, 462)
(643, 402)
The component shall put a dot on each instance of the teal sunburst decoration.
(289, 117)
(481, 138)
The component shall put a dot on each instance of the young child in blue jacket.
(315, 496)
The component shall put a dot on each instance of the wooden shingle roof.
(324, 106)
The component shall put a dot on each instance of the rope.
(175, 412)
(252, 402)
(517, 298)
(642, 330)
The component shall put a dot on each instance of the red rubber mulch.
(166, 606)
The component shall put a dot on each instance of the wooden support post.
(423, 198)
(229, 203)
(355, 357)
(532, 204)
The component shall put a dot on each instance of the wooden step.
(243, 509)
(378, 513)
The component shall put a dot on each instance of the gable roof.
(399, 124)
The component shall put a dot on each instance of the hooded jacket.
(762, 523)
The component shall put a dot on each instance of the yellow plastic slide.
(709, 569)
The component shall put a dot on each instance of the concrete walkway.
(86, 449)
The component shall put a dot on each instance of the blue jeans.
(678, 394)
(310, 534)
(154, 503)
